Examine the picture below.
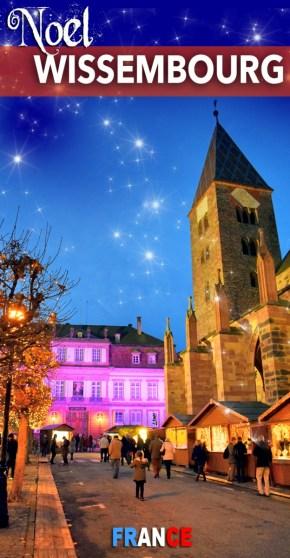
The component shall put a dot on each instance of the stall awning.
(278, 412)
(228, 412)
(61, 427)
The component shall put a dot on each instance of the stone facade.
(237, 338)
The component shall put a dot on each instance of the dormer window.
(80, 334)
(151, 358)
(117, 337)
(136, 358)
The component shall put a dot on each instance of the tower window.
(205, 222)
(207, 292)
(253, 248)
(200, 228)
(207, 253)
(253, 217)
(253, 279)
(202, 257)
(239, 215)
(245, 216)
(245, 246)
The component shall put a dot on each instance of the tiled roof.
(128, 334)
(250, 409)
(284, 264)
(225, 161)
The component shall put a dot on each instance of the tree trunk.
(16, 489)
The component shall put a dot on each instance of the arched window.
(207, 292)
(200, 228)
(253, 217)
(245, 216)
(245, 246)
(253, 279)
(202, 257)
(207, 253)
(239, 215)
(252, 247)
(205, 222)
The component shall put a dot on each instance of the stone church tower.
(237, 334)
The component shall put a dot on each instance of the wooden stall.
(182, 437)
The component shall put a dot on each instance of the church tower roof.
(226, 162)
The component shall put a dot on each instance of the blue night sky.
(115, 178)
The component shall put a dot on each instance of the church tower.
(232, 202)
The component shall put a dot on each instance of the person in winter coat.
(53, 448)
(167, 451)
(115, 450)
(12, 447)
(263, 453)
(240, 451)
(155, 448)
(147, 453)
(200, 457)
(229, 454)
(72, 447)
(139, 464)
(65, 450)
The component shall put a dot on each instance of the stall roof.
(183, 419)
(246, 411)
(58, 427)
(278, 406)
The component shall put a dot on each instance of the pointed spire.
(226, 162)
(169, 353)
(190, 327)
(266, 272)
(216, 112)
(221, 305)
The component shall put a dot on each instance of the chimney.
(139, 325)
(88, 332)
(106, 331)
(72, 332)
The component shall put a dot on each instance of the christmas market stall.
(182, 437)
(277, 419)
(61, 430)
(219, 421)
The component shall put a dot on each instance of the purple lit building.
(108, 375)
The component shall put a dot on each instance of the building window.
(79, 355)
(253, 279)
(96, 392)
(253, 217)
(61, 354)
(245, 216)
(135, 417)
(151, 358)
(78, 390)
(119, 417)
(200, 228)
(135, 391)
(252, 247)
(58, 389)
(207, 253)
(207, 292)
(118, 391)
(245, 247)
(96, 355)
(205, 222)
(136, 358)
(238, 214)
(152, 390)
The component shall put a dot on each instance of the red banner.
(145, 71)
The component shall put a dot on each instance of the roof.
(184, 419)
(270, 411)
(225, 161)
(247, 410)
(284, 264)
(128, 334)
(57, 427)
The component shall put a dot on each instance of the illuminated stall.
(277, 419)
(219, 421)
(181, 436)
(60, 430)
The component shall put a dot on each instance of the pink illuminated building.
(107, 376)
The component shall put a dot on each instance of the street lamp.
(14, 316)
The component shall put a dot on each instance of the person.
(35, 446)
(263, 454)
(104, 446)
(146, 451)
(77, 438)
(65, 450)
(72, 447)
(167, 451)
(12, 447)
(139, 464)
(90, 443)
(44, 444)
(240, 451)
(53, 448)
(229, 454)
(200, 457)
(124, 450)
(132, 449)
(155, 448)
(115, 448)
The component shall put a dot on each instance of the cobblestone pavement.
(227, 523)
(17, 541)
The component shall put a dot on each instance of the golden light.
(143, 433)
(99, 418)
(16, 313)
